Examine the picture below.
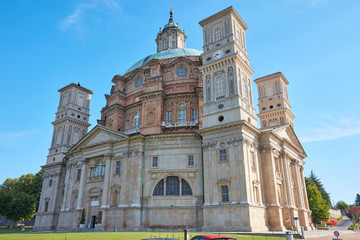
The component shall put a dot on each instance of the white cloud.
(83, 9)
(344, 127)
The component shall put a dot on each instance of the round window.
(221, 118)
(181, 72)
(271, 106)
(138, 82)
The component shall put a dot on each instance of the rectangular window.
(50, 183)
(194, 115)
(252, 159)
(182, 115)
(127, 125)
(173, 44)
(154, 161)
(191, 161)
(222, 155)
(117, 170)
(169, 117)
(225, 193)
(46, 206)
(78, 176)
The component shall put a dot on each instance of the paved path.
(344, 224)
(349, 236)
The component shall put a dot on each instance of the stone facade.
(178, 144)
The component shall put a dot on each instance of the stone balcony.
(180, 124)
(132, 131)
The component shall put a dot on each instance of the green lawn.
(115, 236)
(4, 229)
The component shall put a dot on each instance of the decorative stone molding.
(234, 141)
(137, 152)
(266, 149)
(122, 154)
(209, 146)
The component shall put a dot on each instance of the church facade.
(178, 144)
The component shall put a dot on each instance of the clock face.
(218, 54)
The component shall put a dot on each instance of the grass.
(117, 236)
(5, 229)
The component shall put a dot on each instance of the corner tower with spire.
(170, 36)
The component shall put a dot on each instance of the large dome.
(171, 53)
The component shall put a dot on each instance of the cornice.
(237, 124)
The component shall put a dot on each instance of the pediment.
(289, 134)
(98, 135)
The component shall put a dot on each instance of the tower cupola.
(170, 36)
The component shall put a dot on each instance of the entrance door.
(93, 221)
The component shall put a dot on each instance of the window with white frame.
(173, 45)
(46, 205)
(252, 159)
(78, 176)
(169, 117)
(222, 155)
(225, 193)
(269, 91)
(181, 115)
(217, 34)
(136, 120)
(245, 87)
(117, 169)
(164, 44)
(127, 127)
(194, 115)
(99, 170)
(154, 162)
(190, 161)
(219, 89)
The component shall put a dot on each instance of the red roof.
(214, 236)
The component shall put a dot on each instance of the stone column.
(81, 186)
(271, 194)
(66, 191)
(104, 200)
(288, 183)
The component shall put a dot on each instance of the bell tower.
(274, 106)
(226, 72)
(71, 120)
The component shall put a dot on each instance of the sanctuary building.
(178, 144)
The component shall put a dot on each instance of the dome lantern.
(171, 36)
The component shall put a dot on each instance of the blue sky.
(45, 45)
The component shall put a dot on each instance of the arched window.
(164, 44)
(115, 198)
(231, 81)
(74, 202)
(80, 101)
(172, 187)
(219, 89)
(159, 189)
(185, 188)
(99, 170)
(217, 34)
(136, 120)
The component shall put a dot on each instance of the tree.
(19, 197)
(16, 206)
(30, 184)
(357, 200)
(342, 206)
(353, 213)
(317, 205)
(325, 195)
